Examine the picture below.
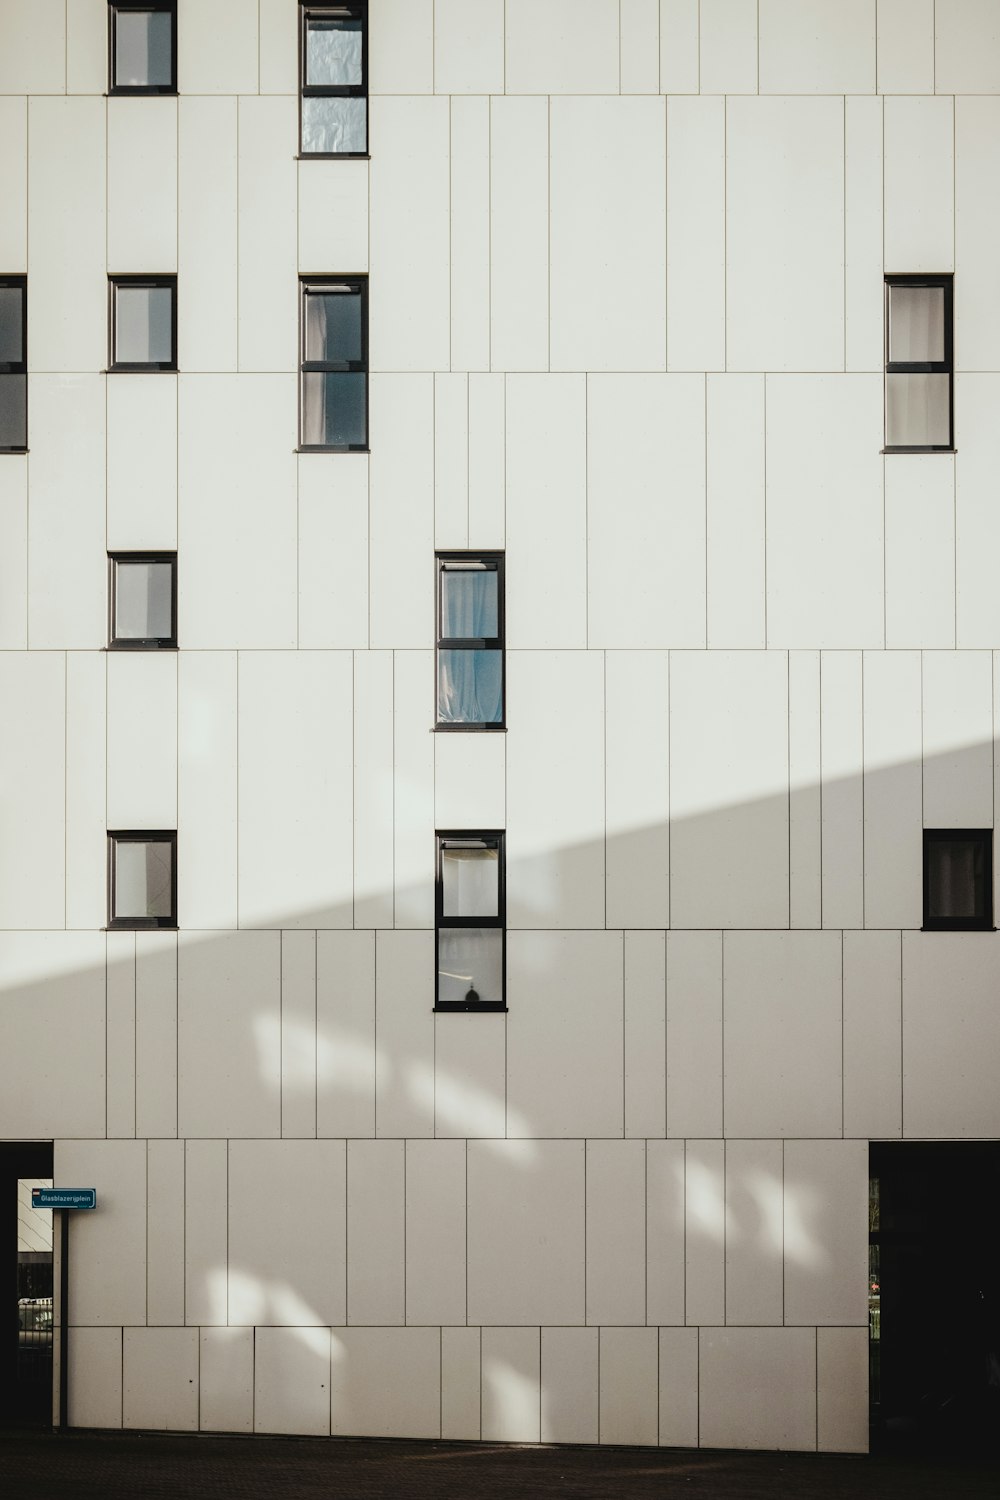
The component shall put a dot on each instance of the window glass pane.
(469, 603)
(470, 687)
(142, 49)
(916, 323)
(13, 411)
(470, 965)
(143, 879)
(916, 411)
(334, 126)
(144, 325)
(11, 325)
(333, 410)
(333, 52)
(144, 602)
(956, 879)
(470, 877)
(333, 327)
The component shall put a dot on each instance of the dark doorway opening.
(26, 1302)
(934, 1294)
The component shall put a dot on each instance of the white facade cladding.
(625, 269)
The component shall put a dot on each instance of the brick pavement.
(91, 1466)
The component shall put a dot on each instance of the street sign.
(53, 1197)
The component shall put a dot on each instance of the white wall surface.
(626, 263)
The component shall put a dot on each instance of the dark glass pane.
(143, 879)
(144, 325)
(333, 410)
(470, 965)
(956, 880)
(142, 49)
(916, 411)
(470, 879)
(144, 601)
(470, 686)
(13, 411)
(333, 52)
(469, 603)
(334, 127)
(11, 325)
(916, 324)
(334, 327)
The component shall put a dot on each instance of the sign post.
(63, 1201)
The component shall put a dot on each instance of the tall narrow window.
(470, 918)
(333, 77)
(334, 384)
(143, 600)
(918, 364)
(143, 323)
(470, 640)
(958, 879)
(142, 47)
(13, 364)
(142, 879)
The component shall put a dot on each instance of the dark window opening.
(142, 48)
(470, 922)
(142, 878)
(142, 600)
(333, 80)
(470, 640)
(919, 360)
(143, 323)
(334, 371)
(958, 879)
(13, 364)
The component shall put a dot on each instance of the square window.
(143, 600)
(333, 80)
(919, 364)
(13, 364)
(142, 47)
(470, 640)
(470, 922)
(958, 879)
(143, 315)
(142, 879)
(334, 368)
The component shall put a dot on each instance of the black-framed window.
(13, 364)
(142, 319)
(919, 361)
(333, 80)
(470, 640)
(142, 878)
(333, 393)
(142, 47)
(958, 879)
(470, 913)
(142, 601)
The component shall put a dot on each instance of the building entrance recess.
(934, 1294)
(26, 1301)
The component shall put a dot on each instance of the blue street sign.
(63, 1197)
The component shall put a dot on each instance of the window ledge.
(333, 156)
(469, 729)
(137, 924)
(303, 448)
(890, 451)
(970, 927)
(14, 451)
(141, 646)
(459, 1009)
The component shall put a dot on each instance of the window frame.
(946, 281)
(149, 367)
(982, 836)
(18, 366)
(315, 283)
(355, 11)
(135, 643)
(449, 924)
(495, 560)
(133, 90)
(141, 836)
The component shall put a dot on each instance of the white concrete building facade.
(616, 271)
